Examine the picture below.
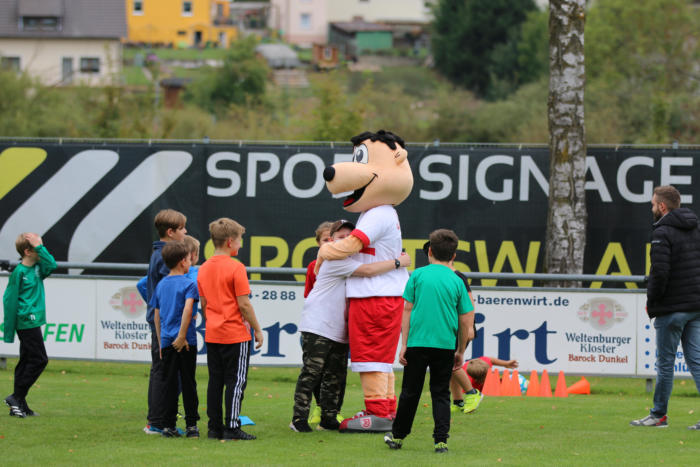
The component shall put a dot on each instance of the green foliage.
(475, 42)
(241, 79)
(335, 117)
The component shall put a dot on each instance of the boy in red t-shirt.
(224, 294)
(469, 380)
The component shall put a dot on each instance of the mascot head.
(378, 174)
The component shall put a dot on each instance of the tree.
(241, 79)
(475, 41)
(567, 216)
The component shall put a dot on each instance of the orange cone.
(580, 387)
(545, 386)
(505, 383)
(533, 387)
(515, 384)
(492, 385)
(560, 390)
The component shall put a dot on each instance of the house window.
(138, 7)
(181, 33)
(187, 8)
(9, 63)
(305, 21)
(89, 65)
(41, 23)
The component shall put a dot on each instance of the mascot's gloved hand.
(338, 250)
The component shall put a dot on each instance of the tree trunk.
(566, 219)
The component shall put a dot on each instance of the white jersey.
(325, 310)
(380, 232)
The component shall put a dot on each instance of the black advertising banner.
(95, 202)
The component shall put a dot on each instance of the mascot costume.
(379, 178)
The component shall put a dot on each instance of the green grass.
(93, 413)
(133, 76)
(177, 54)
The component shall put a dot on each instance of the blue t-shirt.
(192, 274)
(170, 296)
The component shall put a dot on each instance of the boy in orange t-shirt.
(224, 295)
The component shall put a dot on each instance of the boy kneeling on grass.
(436, 327)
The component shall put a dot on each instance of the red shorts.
(374, 327)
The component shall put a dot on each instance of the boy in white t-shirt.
(324, 334)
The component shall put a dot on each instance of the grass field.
(93, 413)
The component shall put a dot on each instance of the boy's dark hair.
(169, 219)
(668, 195)
(478, 369)
(386, 137)
(443, 242)
(22, 244)
(173, 253)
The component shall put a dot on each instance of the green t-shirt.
(438, 296)
(23, 301)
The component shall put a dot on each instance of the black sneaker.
(211, 434)
(170, 433)
(328, 424)
(300, 426)
(440, 447)
(393, 443)
(15, 406)
(192, 432)
(237, 433)
(29, 412)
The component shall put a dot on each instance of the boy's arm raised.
(249, 314)
(47, 264)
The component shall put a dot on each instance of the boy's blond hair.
(169, 219)
(191, 243)
(224, 228)
(22, 244)
(478, 369)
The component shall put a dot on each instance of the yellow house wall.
(161, 20)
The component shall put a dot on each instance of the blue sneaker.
(151, 430)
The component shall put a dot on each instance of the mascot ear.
(400, 155)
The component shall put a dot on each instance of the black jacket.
(674, 278)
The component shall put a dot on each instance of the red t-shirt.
(220, 280)
(310, 278)
(479, 386)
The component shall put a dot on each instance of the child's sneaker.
(393, 443)
(440, 447)
(457, 406)
(15, 407)
(650, 420)
(170, 433)
(29, 412)
(340, 418)
(472, 401)
(315, 416)
(192, 432)
(300, 426)
(328, 424)
(151, 430)
(237, 433)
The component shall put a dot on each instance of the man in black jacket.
(673, 296)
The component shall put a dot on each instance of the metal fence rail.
(143, 268)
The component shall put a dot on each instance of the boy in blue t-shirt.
(173, 303)
(435, 329)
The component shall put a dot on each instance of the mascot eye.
(360, 154)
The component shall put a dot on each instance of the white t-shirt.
(325, 310)
(382, 238)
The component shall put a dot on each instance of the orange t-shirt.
(220, 280)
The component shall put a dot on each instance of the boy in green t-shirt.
(436, 327)
(25, 312)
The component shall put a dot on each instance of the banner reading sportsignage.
(96, 201)
(596, 332)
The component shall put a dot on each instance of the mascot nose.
(328, 173)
